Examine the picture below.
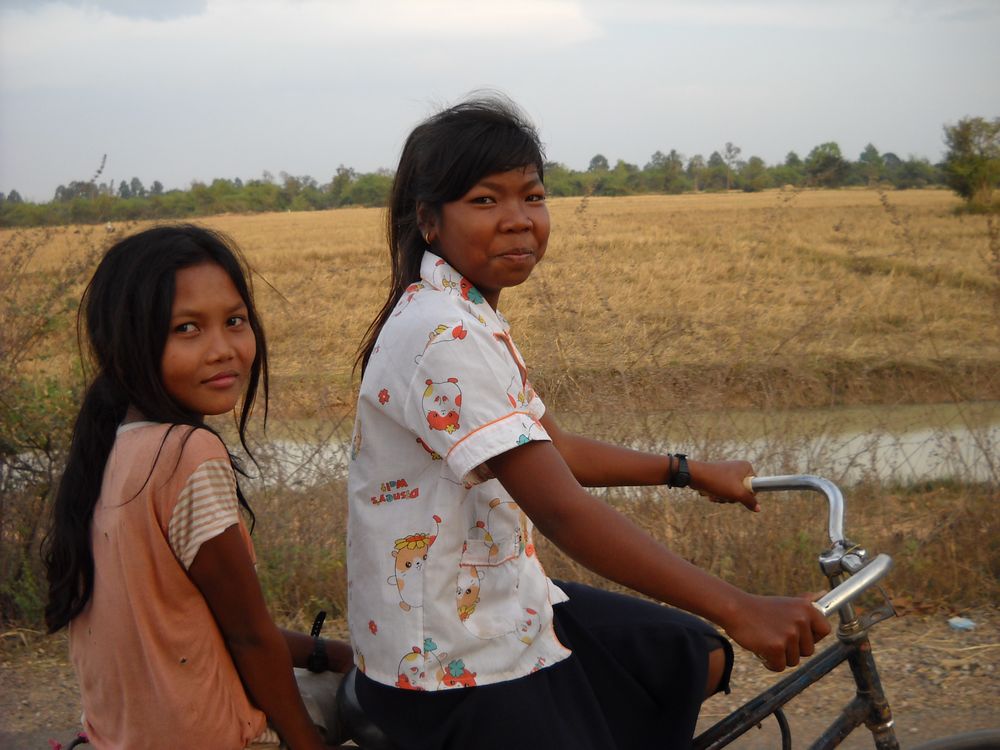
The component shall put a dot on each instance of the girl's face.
(495, 233)
(210, 346)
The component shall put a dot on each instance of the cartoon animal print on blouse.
(470, 292)
(456, 675)
(415, 665)
(408, 294)
(516, 395)
(411, 670)
(410, 555)
(467, 590)
(527, 425)
(435, 456)
(528, 627)
(445, 277)
(442, 404)
(497, 527)
(440, 335)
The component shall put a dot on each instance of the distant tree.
(657, 161)
(237, 183)
(871, 165)
(916, 172)
(826, 166)
(157, 188)
(370, 190)
(972, 163)
(14, 197)
(731, 157)
(137, 188)
(673, 179)
(716, 174)
(560, 180)
(78, 189)
(599, 164)
(340, 184)
(791, 172)
(124, 191)
(624, 179)
(696, 171)
(753, 175)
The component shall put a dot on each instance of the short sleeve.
(469, 401)
(206, 507)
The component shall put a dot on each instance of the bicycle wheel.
(984, 739)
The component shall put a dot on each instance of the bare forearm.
(595, 463)
(265, 665)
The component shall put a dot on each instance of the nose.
(220, 348)
(516, 218)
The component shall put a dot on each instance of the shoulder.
(189, 447)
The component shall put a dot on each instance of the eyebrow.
(188, 313)
(496, 185)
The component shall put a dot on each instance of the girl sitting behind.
(149, 562)
(460, 638)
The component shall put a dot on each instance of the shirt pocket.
(487, 587)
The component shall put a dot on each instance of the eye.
(186, 328)
(235, 321)
(482, 200)
(537, 197)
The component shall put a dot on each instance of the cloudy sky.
(182, 90)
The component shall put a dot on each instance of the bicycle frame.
(869, 706)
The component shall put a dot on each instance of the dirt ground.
(939, 681)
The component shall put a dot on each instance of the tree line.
(971, 168)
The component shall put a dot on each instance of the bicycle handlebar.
(849, 590)
(808, 482)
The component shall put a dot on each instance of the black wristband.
(318, 661)
(681, 477)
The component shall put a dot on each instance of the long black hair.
(124, 316)
(442, 159)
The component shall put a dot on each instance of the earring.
(427, 238)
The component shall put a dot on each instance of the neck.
(133, 415)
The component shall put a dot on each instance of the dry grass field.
(794, 298)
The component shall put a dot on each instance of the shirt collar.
(438, 274)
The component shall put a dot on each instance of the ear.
(427, 220)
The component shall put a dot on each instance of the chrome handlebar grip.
(849, 590)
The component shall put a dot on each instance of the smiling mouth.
(222, 380)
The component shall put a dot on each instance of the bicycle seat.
(354, 723)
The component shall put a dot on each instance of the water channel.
(893, 444)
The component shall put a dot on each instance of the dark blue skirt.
(636, 679)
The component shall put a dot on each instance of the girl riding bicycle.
(460, 637)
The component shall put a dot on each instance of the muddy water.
(896, 444)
